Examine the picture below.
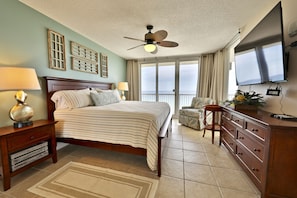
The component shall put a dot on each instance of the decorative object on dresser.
(25, 147)
(246, 100)
(56, 50)
(265, 147)
(214, 125)
(19, 78)
(123, 86)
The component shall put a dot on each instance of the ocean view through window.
(171, 82)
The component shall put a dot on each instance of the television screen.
(273, 55)
(260, 56)
(247, 70)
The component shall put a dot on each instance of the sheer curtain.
(133, 80)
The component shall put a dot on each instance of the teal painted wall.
(23, 43)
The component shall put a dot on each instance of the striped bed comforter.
(131, 123)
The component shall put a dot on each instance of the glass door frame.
(175, 60)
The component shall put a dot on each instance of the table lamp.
(19, 78)
(123, 86)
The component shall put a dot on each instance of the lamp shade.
(123, 86)
(18, 78)
(150, 47)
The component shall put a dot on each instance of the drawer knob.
(255, 169)
(257, 150)
(32, 137)
(255, 130)
(241, 138)
(240, 153)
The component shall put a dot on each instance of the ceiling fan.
(152, 40)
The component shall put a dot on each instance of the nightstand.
(26, 147)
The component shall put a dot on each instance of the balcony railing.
(184, 99)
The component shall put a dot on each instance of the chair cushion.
(199, 103)
(191, 112)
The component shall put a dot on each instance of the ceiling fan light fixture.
(149, 47)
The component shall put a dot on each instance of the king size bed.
(91, 114)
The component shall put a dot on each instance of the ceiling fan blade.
(155, 51)
(160, 35)
(167, 44)
(133, 39)
(136, 46)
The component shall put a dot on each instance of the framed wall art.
(84, 59)
(56, 50)
(103, 65)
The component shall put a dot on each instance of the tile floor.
(192, 167)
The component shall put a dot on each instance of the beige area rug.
(81, 180)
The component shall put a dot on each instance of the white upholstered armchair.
(193, 116)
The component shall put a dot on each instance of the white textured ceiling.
(199, 26)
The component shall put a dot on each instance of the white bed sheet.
(131, 123)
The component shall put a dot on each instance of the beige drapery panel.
(219, 77)
(205, 75)
(133, 80)
(213, 76)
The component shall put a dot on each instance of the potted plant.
(246, 100)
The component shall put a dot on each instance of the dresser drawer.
(256, 129)
(228, 141)
(229, 127)
(255, 147)
(227, 115)
(27, 138)
(237, 120)
(253, 164)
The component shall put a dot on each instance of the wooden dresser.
(265, 147)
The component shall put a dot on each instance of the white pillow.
(72, 99)
(105, 97)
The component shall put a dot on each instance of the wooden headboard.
(55, 84)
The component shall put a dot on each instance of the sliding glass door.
(166, 84)
(188, 76)
(171, 82)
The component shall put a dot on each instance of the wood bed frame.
(55, 84)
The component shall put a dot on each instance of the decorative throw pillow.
(115, 92)
(104, 98)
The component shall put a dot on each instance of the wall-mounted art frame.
(83, 58)
(103, 65)
(83, 65)
(56, 50)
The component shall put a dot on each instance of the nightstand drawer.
(27, 138)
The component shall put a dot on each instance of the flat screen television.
(260, 57)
